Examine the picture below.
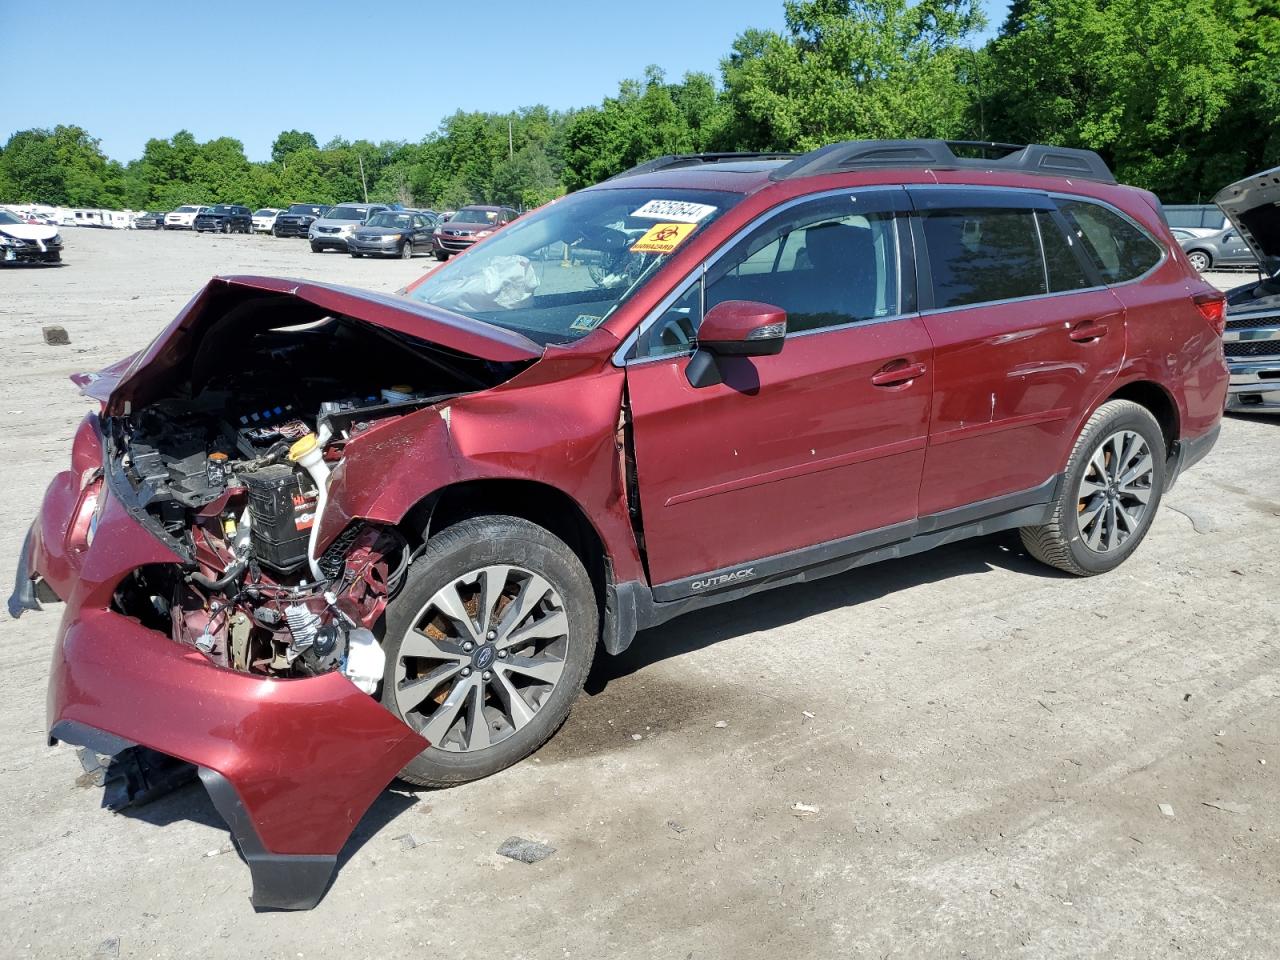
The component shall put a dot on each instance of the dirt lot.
(986, 743)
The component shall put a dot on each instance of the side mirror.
(735, 328)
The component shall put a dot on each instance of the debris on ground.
(109, 947)
(225, 848)
(1227, 806)
(721, 724)
(410, 841)
(55, 336)
(676, 826)
(808, 715)
(526, 851)
(804, 809)
(636, 736)
(1166, 809)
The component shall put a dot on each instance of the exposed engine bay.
(232, 471)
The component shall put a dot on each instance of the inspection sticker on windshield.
(663, 237)
(586, 321)
(678, 210)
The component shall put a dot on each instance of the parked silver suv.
(331, 231)
(1252, 337)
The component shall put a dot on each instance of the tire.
(275, 232)
(1200, 259)
(316, 248)
(441, 256)
(406, 250)
(523, 558)
(226, 228)
(1099, 519)
(356, 256)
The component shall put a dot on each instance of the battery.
(282, 510)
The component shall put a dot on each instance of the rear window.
(1118, 248)
(978, 255)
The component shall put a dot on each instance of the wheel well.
(551, 509)
(1156, 399)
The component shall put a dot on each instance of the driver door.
(800, 457)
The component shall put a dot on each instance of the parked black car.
(297, 220)
(225, 218)
(394, 233)
(149, 221)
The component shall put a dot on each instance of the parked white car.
(183, 218)
(24, 242)
(264, 220)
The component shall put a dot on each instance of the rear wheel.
(1200, 260)
(1109, 494)
(487, 646)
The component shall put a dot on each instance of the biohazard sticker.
(679, 210)
(663, 237)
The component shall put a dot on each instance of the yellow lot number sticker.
(663, 237)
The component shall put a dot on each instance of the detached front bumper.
(291, 765)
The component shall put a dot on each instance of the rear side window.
(982, 254)
(1063, 266)
(1117, 248)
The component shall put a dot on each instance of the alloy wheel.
(1115, 491)
(481, 658)
(406, 251)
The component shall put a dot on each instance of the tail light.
(1213, 307)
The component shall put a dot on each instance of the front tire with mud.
(1112, 487)
(487, 646)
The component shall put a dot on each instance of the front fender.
(561, 434)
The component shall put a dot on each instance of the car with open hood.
(314, 538)
(1252, 337)
(23, 242)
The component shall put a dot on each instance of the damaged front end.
(213, 616)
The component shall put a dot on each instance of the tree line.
(1179, 96)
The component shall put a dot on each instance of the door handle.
(897, 372)
(1088, 331)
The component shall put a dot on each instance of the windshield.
(402, 221)
(475, 216)
(264, 212)
(557, 274)
(7, 217)
(310, 209)
(347, 213)
(187, 210)
(221, 208)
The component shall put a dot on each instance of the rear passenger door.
(1025, 336)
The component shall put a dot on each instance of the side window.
(1117, 248)
(981, 254)
(822, 263)
(1064, 267)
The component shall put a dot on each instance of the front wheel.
(441, 256)
(1109, 493)
(316, 248)
(1200, 260)
(487, 646)
(406, 250)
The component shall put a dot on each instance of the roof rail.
(1019, 158)
(697, 159)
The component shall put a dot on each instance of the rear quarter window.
(1118, 248)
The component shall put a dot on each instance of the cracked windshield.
(557, 274)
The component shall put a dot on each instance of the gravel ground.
(985, 745)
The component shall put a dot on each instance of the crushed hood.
(124, 381)
(1253, 207)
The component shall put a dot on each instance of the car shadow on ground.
(774, 608)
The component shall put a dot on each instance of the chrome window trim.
(696, 275)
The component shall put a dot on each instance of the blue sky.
(135, 69)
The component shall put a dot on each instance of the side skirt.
(635, 603)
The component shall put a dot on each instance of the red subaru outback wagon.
(317, 537)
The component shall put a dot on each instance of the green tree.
(291, 141)
(64, 166)
(852, 68)
(1171, 92)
